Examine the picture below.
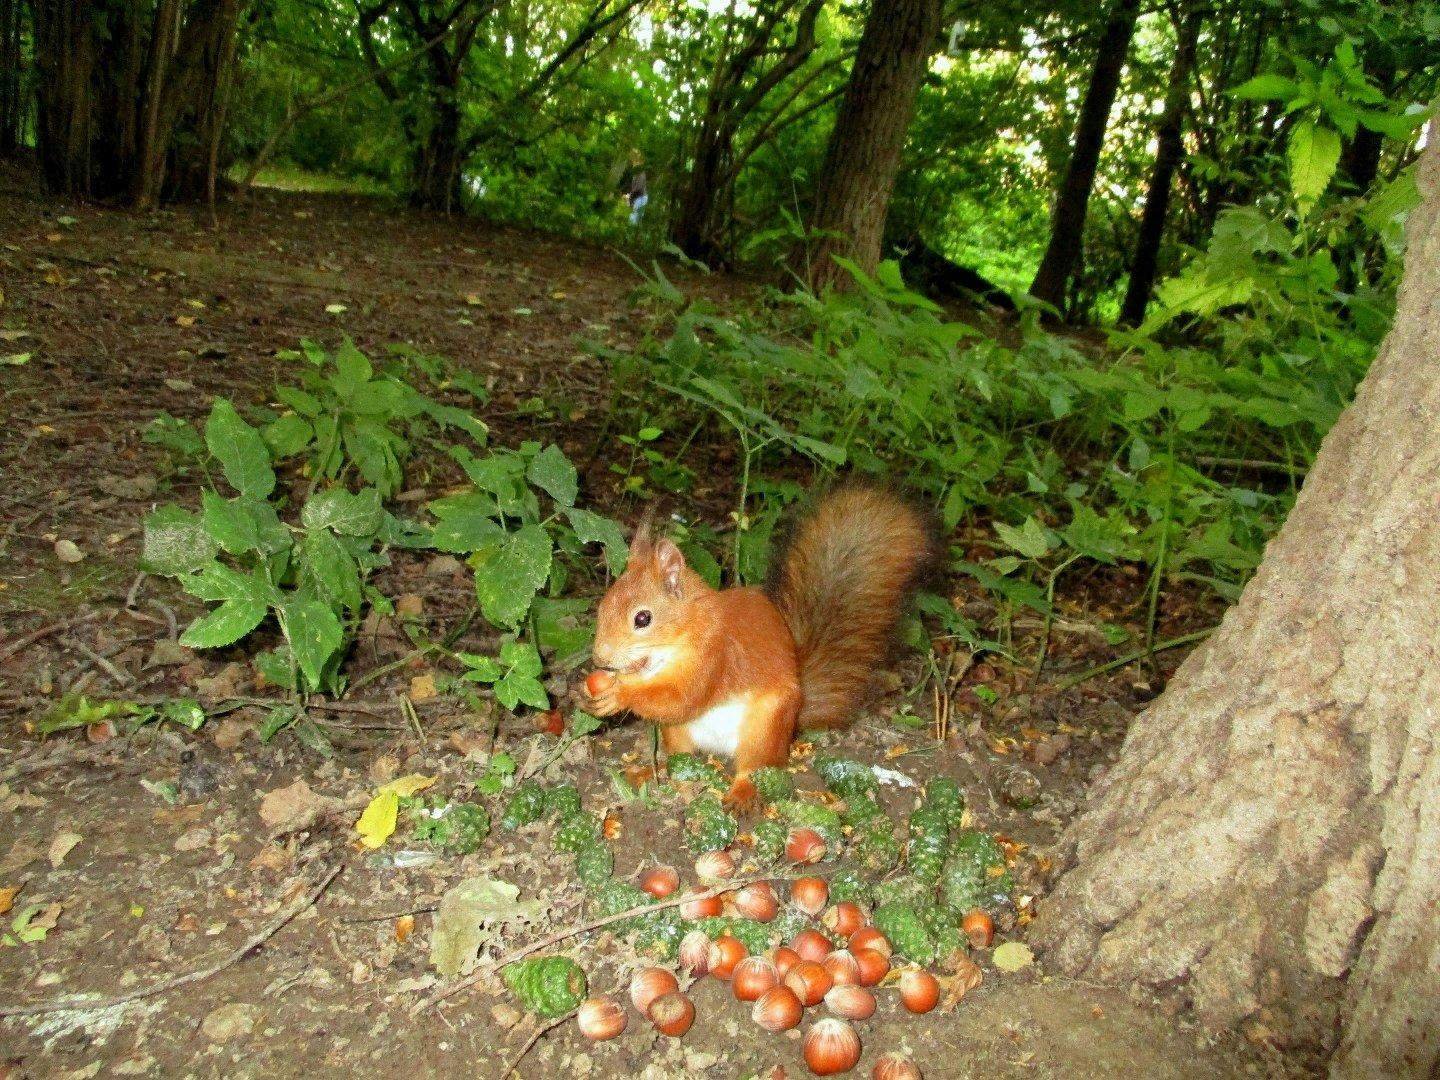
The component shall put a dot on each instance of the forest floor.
(146, 856)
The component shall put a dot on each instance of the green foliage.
(548, 986)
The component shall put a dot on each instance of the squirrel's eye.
(642, 619)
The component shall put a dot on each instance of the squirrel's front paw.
(742, 797)
(606, 703)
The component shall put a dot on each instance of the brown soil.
(125, 316)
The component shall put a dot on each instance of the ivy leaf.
(551, 471)
(240, 449)
(1314, 154)
(591, 528)
(509, 572)
(176, 542)
(314, 634)
(359, 514)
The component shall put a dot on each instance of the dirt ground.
(147, 855)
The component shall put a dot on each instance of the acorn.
(872, 965)
(757, 901)
(672, 1014)
(851, 1002)
(919, 990)
(844, 969)
(600, 1019)
(810, 981)
(754, 977)
(811, 945)
(867, 937)
(979, 928)
(650, 983)
(895, 1067)
(831, 1047)
(804, 846)
(699, 906)
(660, 881)
(714, 866)
(844, 919)
(810, 894)
(778, 1009)
(695, 952)
(785, 958)
(726, 952)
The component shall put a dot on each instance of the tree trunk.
(863, 156)
(129, 98)
(438, 163)
(1266, 845)
(14, 100)
(1168, 152)
(1067, 222)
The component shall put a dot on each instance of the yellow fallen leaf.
(7, 897)
(422, 687)
(379, 818)
(404, 927)
(185, 320)
(377, 822)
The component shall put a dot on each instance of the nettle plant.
(239, 555)
(524, 537)
(347, 416)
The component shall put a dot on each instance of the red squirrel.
(736, 672)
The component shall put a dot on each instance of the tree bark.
(1268, 843)
(1067, 221)
(863, 157)
(1168, 152)
(14, 101)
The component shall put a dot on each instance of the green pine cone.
(773, 784)
(709, 826)
(906, 930)
(594, 865)
(875, 847)
(906, 890)
(577, 832)
(693, 769)
(925, 857)
(527, 804)
(974, 876)
(562, 801)
(770, 837)
(847, 779)
(805, 815)
(944, 794)
(548, 986)
(849, 885)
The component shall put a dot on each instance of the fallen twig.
(31, 638)
(124, 678)
(514, 1063)
(82, 1004)
(487, 966)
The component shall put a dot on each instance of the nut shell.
(810, 894)
(600, 1019)
(851, 1002)
(919, 990)
(650, 983)
(810, 981)
(778, 1010)
(672, 1014)
(831, 1047)
(754, 977)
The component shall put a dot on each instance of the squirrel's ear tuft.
(669, 562)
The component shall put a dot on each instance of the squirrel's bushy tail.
(841, 583)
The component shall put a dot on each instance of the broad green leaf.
(591, 528)
(516, 689)
(243, 524)
(314, 634)
(1267, 88)
(1314, 154)
(359, 514)
(352, 370)
(241, 451)
(288, 435)
(176, 542)
(1030, 539)
(306, 404)
(227, 624)
(509, 571)
(551, 471)
(484, 669)
(466, 522)
(332, 568)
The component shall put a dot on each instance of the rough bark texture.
(1168, 153)
(14, 98)
(1067, 221)
(1268, 843)
(130, 93)
(863, 156)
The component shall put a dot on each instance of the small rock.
(193, 840)
(699, 1060)
(167, 653)
(1017, 786)
(443, 566)
(233, 1021)
(229, 733)
(506, 1016)
(197, 779)
(1048, 750)
(409, 606)
(127, 487)
(67, 552)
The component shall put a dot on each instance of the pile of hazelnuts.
(808, 972)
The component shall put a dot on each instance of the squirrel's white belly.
(717, 730)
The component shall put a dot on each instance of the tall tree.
(739, 84)
(1067, 220)
(862, 159)
(14, 96)
(1168, 151)
(1266, 842)
(132, 94)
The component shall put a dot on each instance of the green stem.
(1138, 654)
